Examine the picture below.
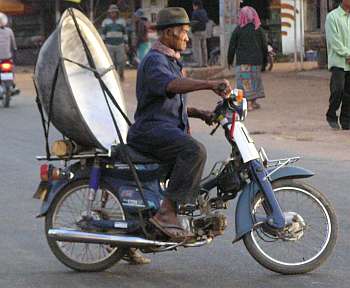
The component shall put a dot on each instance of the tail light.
(6, 66)
(50, 172)
(44, 172)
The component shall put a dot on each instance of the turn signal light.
(240, 95)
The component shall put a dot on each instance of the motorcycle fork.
(275, 216)
(94, 183)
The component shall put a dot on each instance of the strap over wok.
(77, 106)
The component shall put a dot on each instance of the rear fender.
(244, 221)
(149, 187)
(57, 186)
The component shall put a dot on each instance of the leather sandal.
(174, 232)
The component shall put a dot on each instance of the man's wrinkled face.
(178, 37)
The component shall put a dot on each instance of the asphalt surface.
(26, 260)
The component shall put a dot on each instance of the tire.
(58, 247)
(6, 98)
(280, 262)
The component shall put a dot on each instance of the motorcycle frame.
(244, 221)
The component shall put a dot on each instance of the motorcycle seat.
(135, 156)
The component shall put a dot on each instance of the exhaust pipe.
(99, 238)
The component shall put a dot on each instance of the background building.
(34, 20)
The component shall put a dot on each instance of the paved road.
(27, 262)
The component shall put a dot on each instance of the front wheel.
(304, 245)
(67, 210)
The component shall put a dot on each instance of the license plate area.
(6, 76)
(41, 191)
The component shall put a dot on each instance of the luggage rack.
(83, 155)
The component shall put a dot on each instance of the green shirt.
(113, 32)
(338, 38)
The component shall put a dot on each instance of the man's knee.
(196, 150)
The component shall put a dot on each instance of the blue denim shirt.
(157, 108)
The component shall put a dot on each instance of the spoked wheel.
(304, 245)
(67, 210)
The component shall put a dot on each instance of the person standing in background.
(338, 46)
(199, 40)
(248, 43)
(114, 35)
(141, 29)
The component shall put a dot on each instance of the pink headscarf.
(249, 15)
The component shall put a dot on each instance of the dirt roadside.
(292, 116)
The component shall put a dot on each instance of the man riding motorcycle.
(7, 44)
(161, 127)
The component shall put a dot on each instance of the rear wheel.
(6, 98)
(67, 209)
(307, 243)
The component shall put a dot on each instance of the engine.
(229, 182)
(211, 225)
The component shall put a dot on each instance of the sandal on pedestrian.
(256, 105)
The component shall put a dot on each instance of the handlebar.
(226, 108)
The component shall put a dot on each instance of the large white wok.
(79, 109)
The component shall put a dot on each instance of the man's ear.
(168, 33)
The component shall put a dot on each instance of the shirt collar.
(342, 11)
(160, 47)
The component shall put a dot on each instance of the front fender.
(244, 221)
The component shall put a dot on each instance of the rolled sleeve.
(159, 75)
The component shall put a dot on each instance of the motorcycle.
(6, 81)
(95, 210)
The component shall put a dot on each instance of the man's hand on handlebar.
(207, 117)
(221, 88)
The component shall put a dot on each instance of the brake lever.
(215, 129)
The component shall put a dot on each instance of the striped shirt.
(113, 32)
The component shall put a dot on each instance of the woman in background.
(248, 43)
(142, 27)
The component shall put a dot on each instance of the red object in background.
(6, 66)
